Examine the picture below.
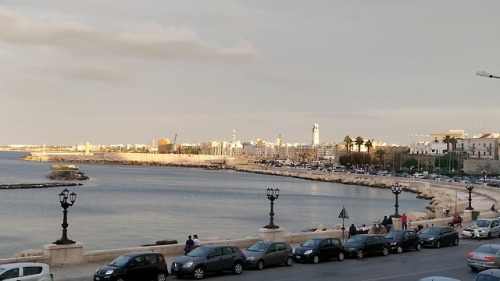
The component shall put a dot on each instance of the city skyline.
(133, 72)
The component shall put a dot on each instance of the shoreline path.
(442, 193)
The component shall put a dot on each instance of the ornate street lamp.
(272, 194)
(396, 189)
(63, 199)
(469, 188)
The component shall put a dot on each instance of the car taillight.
(489, 258)
(470, 255)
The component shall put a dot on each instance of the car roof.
(492, 272)
(20, 264)
(438, 278)
(140, 253)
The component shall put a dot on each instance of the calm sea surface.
(124, 206)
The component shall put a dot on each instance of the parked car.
(26, 271)
(263, 254)
(316, 249)
(401, 240)
(488, 275)
(208, 259)
(438, 278)
(438, 236)
(483, 228)
(145, 266)
(484, 257)
(367, 244)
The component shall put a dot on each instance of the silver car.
(26, 271)
(488, 275)
(484, 257)
(263, 254)
(483, 228)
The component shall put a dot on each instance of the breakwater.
(37, 185)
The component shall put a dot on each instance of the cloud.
(133, 40)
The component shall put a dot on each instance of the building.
(315, 134)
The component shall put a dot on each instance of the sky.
(133, 72)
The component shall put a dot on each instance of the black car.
(207, 259)
(367, 244)
(316, 249)
(402, 240)
(438, 236)
(263, 254)
(134, 266)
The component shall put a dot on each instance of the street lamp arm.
(486, 74)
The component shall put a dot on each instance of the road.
(447, 261)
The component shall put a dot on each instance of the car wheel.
(385, 251)
(315, 259)
(238, 268)
(360, 254)
(260, 265)
(341, 256)
(489, 235)
(199, 273)
(161, 276)
(473, 268)
(399, 249)
(455, 242)
(438, 244)
(289, 261)
(418, 247)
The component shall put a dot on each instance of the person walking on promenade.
(196, 240)
(404, 222)
(189, 245)
(352, 230)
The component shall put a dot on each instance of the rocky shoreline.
(36, 185)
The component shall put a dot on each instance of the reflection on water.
(123, 206)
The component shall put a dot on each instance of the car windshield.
(356, 239)
(120, 261)
(2, 269)
(310, 243)
(394, 234)
(487, 250)
(431, 231)
(199, 252)
(482, 223)
(258, 247)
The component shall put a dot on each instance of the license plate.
(175, 269)
(97, 278)
(297, 257)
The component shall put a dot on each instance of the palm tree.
(447, 140)
(359, 141)
(368, 145)
(348, 142)
(380, 154)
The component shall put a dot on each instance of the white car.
(483, 228)
(25, 271)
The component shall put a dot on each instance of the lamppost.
(469, 188)
(63, 199)
(484, 176)
(486, 74)
(272, 194)
(396, 189)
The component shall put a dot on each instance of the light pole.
(484, 176)
(272, 194)
(486, 74)
(63, 199)
(396, 189)
(469, 188)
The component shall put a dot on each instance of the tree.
(359, 142)
(380, 154)
(368, 145)
(348, 142)
(447, 140)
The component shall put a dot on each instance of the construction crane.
(172, 150)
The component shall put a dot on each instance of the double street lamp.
(469, 188)
(63, 199)
(272, 194)
(396, 189)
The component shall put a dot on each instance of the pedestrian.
(389, 223)
(352, 230)
(196, 240)
(189, 245)
(404, 222)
